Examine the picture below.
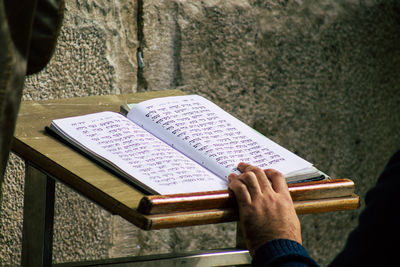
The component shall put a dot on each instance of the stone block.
(95, 55)
(318, 77)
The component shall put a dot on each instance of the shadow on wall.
(335, 97)
(319, 77)
(335, 100)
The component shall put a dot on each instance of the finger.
(251, 181)
(240, 191)
(232, 176)
(242, 166)
(260, 175)
(278, 181)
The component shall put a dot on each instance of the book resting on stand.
(177, 144)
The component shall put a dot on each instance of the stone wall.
(319, 77)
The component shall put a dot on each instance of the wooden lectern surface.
(61, 162)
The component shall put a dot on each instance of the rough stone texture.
(11, 212)
(96, 54)
(319, 77)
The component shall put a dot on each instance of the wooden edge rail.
(211, 216)
(313, 190)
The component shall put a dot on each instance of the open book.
(177, 144)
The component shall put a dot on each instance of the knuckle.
(250, 179)
(274, 173)
(252, 168)
(238, 187)
(247, 176)
(235, 184)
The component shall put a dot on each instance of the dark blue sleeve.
(282, 253)
(374, 242)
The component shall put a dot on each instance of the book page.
(212, 137)
(113, 138)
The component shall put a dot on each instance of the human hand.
(266, 209)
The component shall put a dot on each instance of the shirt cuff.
(282, 252)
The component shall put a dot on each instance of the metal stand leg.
(37, 235)
(240, 243)
(226, 257)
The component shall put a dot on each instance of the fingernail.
(240, 166)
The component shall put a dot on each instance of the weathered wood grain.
(63, 163)
(329, 188)
(208, 216)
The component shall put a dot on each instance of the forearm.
(282, 252)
